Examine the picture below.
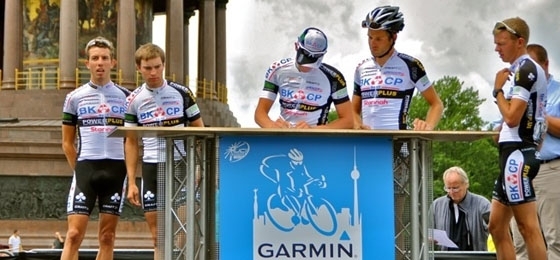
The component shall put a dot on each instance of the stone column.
(68, 48)
(207, 50)
(13, 43)
(221, 55)
(174, 41)
(126, 38)
(188, 15)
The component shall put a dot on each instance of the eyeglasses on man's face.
(501, 25)
(452, 189)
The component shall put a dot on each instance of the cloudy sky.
(450, 37)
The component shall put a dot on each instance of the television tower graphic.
(355, 174)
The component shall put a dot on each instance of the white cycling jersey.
(171, 105)
(96, 111)
(304, 96)
(386, 91)
(529, 84)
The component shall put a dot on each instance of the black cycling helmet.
(384, 18)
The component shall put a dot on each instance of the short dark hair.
(540, 52)
(148, 51)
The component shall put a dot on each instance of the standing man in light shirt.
(14, 242)
(90, 113)
(384, 83)
(157, 102)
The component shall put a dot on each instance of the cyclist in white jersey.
(90, 113)
(306, 88)
(546, 182)
(156, 103)
(385, 82)
(520, 135)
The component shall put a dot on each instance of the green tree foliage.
(332, 115)
(479, 158)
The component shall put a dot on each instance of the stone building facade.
(42, 36)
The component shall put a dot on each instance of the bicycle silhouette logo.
(293, 204)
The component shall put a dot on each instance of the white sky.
(450, 37)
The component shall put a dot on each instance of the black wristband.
(496, 91)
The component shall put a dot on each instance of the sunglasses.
(308, 53)
(371, 25)
(99, 42)
(502, 25)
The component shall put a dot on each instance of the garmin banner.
(289, 197)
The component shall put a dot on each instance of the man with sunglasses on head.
(306, 86)
(385, 82)
(521, 134)
(90, 113)
(462, 214)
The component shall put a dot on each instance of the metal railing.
(37, 78)
(48, 77)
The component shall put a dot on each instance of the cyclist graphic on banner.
(293, 203)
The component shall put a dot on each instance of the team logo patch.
(512, 177)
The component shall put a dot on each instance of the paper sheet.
(441, 239)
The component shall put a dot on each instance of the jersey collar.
(386, 62)
(92, 85)
(158, 89)
(515, 64)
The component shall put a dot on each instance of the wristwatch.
(496, 91)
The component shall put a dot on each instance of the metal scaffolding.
(187, 223)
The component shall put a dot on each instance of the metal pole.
(212, 173)
(425, 202)
(415, 248)
(203, 183)
(191, 209)
(168, 209)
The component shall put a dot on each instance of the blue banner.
(289, 197)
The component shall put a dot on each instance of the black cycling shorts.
(149, 189)
(102, 180)
(518, 167)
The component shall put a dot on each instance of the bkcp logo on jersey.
(299, 95)
(298, 207)
(389, 81)
(101, 109)
(160, 112)
(512, 176)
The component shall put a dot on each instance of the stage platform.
(85, 254)
(147, 254)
